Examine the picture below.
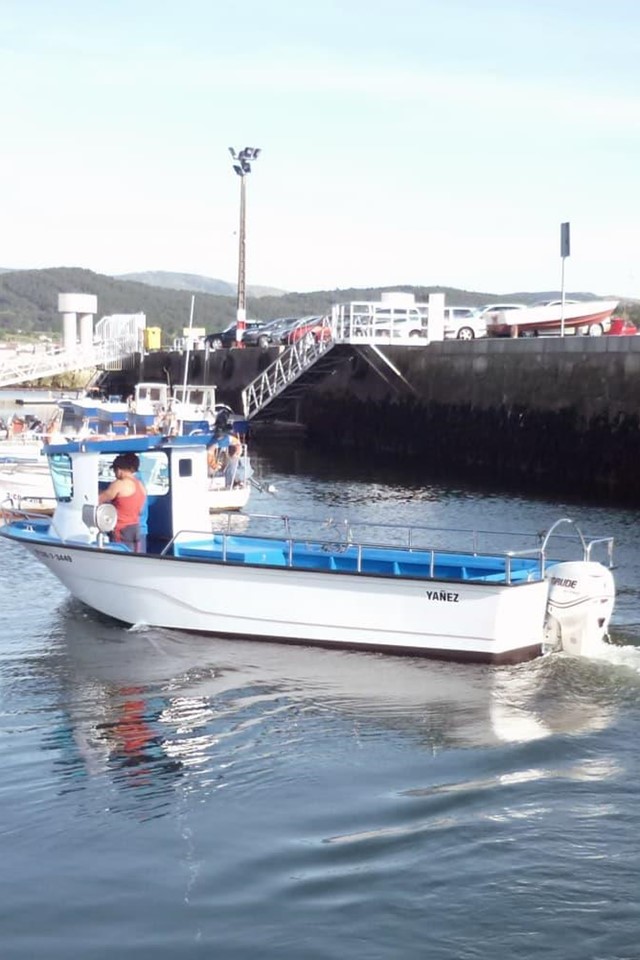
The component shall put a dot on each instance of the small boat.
(393, 589)
(190, 408)
(228, 484)
(113, 415)
(592, 317)
(147, 406)
(14, 505)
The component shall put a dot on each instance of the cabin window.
(154, 472)
(61, 475)
(185, 467)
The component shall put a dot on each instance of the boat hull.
(444, 619)
(224, 499)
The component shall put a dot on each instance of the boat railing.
(12, 511)
(471, 539)
(364, 557)
(536, 553)
(608, 542)
(341, 539)
(343, 532)
(588, 546)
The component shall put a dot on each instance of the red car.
(621, 327)
(308, 327)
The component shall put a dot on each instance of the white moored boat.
(292, 580)
(29, 486)
(592, 317)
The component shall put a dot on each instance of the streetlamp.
(242, 160)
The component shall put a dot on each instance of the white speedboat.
(592, 317)
(399, 591)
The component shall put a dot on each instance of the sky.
(422, 142)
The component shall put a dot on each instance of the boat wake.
(620, 655)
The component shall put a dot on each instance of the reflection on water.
(214, 795)
(155, 711)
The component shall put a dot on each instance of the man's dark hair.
(127, 461)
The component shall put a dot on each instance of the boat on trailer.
(390, 588)
(592, 317)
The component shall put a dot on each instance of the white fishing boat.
(186, 409)
(24, 436)
(400, 590)
(147, 406)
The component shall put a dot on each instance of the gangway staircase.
(23, 368)
(309, 360)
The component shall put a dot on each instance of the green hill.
(29, 301)
(196, 283)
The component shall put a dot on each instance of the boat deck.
(380, 561)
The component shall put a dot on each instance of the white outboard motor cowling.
(579, 607)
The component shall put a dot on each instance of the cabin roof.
(137, 444)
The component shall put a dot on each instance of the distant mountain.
(196, 284)
(29, 301)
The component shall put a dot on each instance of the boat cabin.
(194, 407)
(150, 401)
(173, 469)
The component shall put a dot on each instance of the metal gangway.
(348, 324)
(108, 354)
(292, 363)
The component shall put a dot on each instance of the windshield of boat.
(61, 475)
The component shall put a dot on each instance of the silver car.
(464, 323)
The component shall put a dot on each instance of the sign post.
(565, 251)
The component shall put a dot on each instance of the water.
(164, 795)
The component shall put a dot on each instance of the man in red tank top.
(128, 496)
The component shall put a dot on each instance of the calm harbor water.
(164, 795)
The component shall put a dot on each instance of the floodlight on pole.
(242, 160)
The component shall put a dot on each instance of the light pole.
(242, 160)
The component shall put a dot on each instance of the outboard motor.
(579, 607)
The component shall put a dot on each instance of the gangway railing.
(23, 368)
(348, 324)
(380, 322)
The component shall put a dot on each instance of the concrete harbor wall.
(542, 414)
(539, 414)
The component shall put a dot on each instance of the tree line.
(29, 301)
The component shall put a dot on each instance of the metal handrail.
(290, 541)
(59, 360)
(587, 546)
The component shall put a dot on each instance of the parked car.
(622, 327)
(464, 323)
(227, 337)
(270, 333)
(307, 327)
